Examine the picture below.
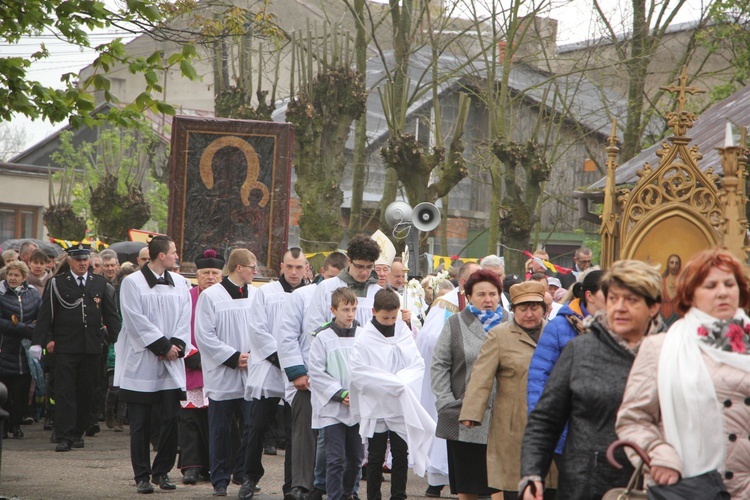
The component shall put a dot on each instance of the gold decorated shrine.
(675, 208)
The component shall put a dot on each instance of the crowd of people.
(495, 385)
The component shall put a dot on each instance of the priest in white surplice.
(149, 367)
(387, 372)
(266, 382)
(222, 333)
(441, 309)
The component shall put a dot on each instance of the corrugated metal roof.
(707, 134)
(577, 97)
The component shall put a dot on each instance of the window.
(17, 222)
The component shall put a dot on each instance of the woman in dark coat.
(586, 388)
(19, 305)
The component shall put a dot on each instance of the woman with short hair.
(455, 352)
(687, 402)
(586, 387)
(503, 363)
(19, 306)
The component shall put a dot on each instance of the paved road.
(31, 469)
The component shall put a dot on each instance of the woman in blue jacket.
(588, 300)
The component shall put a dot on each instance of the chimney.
(539, 42)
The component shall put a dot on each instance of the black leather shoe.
(220, 491)
(315, 494)
(433, 491)
(295, 493)
(247, 490)
(164, 482)
(144, 487)
(63, 446)
(191, 476)
(92, 430)
(78, 443)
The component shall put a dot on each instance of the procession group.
(492, 384)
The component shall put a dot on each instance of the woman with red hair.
(686, 402)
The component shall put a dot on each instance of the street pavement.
(31, 469)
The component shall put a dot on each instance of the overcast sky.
(576, 23)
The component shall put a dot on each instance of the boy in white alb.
(329, 383)
(386, 380)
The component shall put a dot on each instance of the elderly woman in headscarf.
(586, 387)
(687, 402)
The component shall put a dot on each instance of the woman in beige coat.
(504, 357)
(687, 399)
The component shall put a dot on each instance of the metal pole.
(414, 269)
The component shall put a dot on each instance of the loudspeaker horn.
(425, 217)
(398, 212)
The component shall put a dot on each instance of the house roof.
(707, 133)
(578, 98)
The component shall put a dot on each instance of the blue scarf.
(489, 319)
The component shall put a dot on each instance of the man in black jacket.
(78, 314)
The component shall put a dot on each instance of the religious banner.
(229, 187)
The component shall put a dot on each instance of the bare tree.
(12, 140)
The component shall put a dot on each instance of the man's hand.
(302, 383)
(664, 475)
(51, 347)
(172, 354)
(406, 316)
(242, 362)
(346, 401)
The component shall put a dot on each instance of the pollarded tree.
(330, 96)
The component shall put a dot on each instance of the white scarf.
(690, 412)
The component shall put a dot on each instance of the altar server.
(359, 276)
(266, 383)
(386, 380)
(293, 349)
(149, 367)
(222, 333)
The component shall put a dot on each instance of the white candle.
(728, 139)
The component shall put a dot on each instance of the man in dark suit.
(77, 316)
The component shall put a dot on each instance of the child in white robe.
(387, 372)
(329, 384)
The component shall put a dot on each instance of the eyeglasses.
(581, 261)
(251, 267)
(360, 267)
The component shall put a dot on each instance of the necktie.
(81, 283)
(161, 281)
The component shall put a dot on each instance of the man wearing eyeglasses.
(582, 259)
(358, 276)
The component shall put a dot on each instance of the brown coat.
(639, 418)
(504, 357)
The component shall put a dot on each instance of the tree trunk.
(360, 129)
(637, 66)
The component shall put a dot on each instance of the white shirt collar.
(75, 276)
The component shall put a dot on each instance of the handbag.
(634, 489)
(707, 486)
